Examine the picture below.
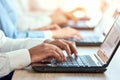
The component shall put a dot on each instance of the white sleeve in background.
(30, 22)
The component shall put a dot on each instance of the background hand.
(66, 33)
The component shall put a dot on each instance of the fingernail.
(76, 54)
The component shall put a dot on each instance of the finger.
(57, 27)
(47, 60)
(79, 36)
(56, 55)
(62, 45)
(66, 47)
(72, 46)
(61, 54)
(47, 41)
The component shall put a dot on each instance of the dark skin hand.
(65, 45)
(52, 49)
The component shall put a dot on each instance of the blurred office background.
(81, 9)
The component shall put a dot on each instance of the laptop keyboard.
(84, 60)
(88, 39)
(91, 39)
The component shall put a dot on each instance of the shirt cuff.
(48, 34)
(19, 58)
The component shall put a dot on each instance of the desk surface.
(112, 72)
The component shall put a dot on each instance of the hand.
(51, 27)
(59, 18)
(52, 49)
(69, 46)
(66, 33)
(70, 16)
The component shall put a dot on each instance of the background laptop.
(96, 37)
(90, 23)
(97, 62)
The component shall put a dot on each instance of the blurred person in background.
(37, 19)
(61, 11)
(40, 13)
(9, 23)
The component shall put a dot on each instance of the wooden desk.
(112, 72)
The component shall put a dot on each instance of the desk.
(112, 72)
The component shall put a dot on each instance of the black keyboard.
(84, 60)
(88, 41)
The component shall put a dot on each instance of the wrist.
(48, 34)
(55, 35)
(31, 51)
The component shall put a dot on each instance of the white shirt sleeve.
(29, 20)
(13, 60)
(14, 53)
(8, 44)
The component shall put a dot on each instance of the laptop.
(87, 23)
(96, 37)
(87, 63)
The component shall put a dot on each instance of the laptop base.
(86, 43)
(81, 25)
(69, 69)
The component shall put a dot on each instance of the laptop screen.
(110, 43)
(111, 21)
(107, 20)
